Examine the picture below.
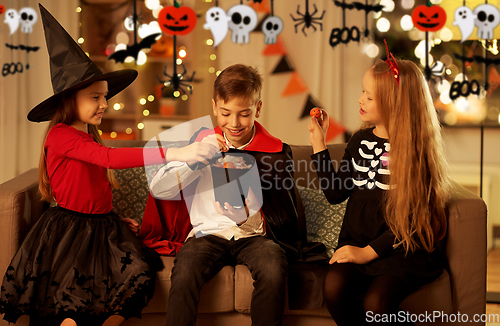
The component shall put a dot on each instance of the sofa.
(225, 300)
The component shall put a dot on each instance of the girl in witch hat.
(80, 264)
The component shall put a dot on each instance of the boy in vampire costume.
(264, 233)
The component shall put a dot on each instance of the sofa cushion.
(323, 220)
(130, 199)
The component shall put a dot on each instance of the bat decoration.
(307, 19)
(134, 49)
(478, 59)
(359, 6)
(256, 1)
(23, 47)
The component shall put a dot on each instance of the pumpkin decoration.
(164, 47)
(177, 20)
(428, 18)
(315, 112)
(2, 9)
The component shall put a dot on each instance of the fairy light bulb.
(211, 70)
(78, 9)
(151, 98)
(213, 57)
(178, 61)
(128, 131)
(81, 40)
(140, 126)
(372, 50)
(176, 94)
(406, 23)
(145, 113)
(116, 106)
(142, 58)
(383, 25)
(113, 134)
(210, 41)
(182, 52)
(142, 101)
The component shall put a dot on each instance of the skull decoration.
(243, 21)
(487, 18)
(27, 18)
(271, 27)
(12, 19)
(217, 23)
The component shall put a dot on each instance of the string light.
(151, 98)
(210, 42)
(113, 134)
(383, 25)
(128, 131)
(145, 113)
(185, 97)
(176, 94)
(140, 126)
(142, 101)
(116, 106)
(178, 61)
(78, 9)
(211, 70)
(81, 40)
(213, 57)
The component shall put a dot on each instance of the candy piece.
(315, 112)
(229, 165)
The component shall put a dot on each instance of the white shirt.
(170, 179)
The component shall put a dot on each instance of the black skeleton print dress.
(362, 177)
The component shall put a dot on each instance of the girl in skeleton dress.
(80, 263)
(393, 172)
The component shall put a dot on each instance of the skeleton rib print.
(377, 160)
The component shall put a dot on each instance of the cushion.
(323, 220)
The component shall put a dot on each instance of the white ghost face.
(243, 21)
(271, 27)
(12, 19)
(487, 18)
(28, 18)
(217, 23)
(464, 19)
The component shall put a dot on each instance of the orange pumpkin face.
(428, 19)
(315, 112)
(177, 20)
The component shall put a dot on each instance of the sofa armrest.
(466, 251)
(20, 207)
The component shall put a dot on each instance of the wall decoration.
(163, 47)
(310, 104)
(177, 19)
(260, 6)
(2, 9)
(12, 19)
(347, 34)
(275, 49)
(464, 19)
(243, 20)
(493, 81)
(283, 66)
(307, 19)
(176, 83)
(295, 85)
(217, 22)
(487, 19)
(134, 49)
(273, 26)
(428, 18)
(27, 18)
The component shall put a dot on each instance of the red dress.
(79, 260)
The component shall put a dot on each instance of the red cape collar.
(263, 141)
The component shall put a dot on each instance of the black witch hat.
(71, 69)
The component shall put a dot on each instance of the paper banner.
(283, 66)
(275, 49)
(295, 85)
(263, 6)
(259, 25)
(334, 130)
(310, 104)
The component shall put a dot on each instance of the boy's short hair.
(238, 81)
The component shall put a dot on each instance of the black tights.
(353, 298)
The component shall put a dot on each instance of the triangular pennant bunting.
(263, 6)
(310, 104)
(334, 130)
(283, 66)
(259, 25)
(275, 49)
(295, 85)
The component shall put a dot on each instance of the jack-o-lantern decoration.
(164, 47)
(428, 18)
(2, 9)
(177, 20)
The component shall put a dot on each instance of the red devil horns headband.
(392, 63)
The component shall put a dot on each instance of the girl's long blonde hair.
(65, 113)
(415, 208)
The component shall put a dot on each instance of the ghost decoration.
(487, 18)
(243, 21)
(217, 23)
(272, 27)
(12, 19)
(464, 19)
(28, 18)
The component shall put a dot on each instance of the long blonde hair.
(415, 208)
(65, 113)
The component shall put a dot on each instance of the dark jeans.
(200, 259)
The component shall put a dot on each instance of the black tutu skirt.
(81, 266)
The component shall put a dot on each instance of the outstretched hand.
(355, 255)
(317, 131)
(196, 152)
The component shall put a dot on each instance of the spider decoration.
(176, 82)
(308, 19)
